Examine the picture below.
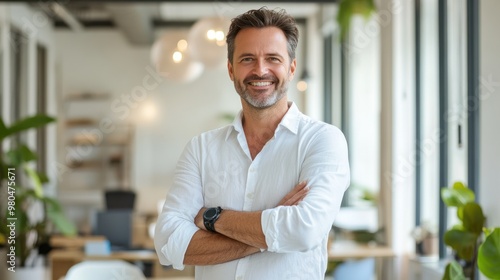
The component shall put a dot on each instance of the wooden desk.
(347, 249)
(62, 260)
(73, 242)
(343, 250)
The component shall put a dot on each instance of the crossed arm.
(234, 239)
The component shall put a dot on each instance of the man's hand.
(292, 198)
(198, 220)
(296, 195)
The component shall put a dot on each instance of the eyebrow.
(252, 55)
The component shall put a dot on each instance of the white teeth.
(261, 84)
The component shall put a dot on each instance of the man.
(256, 199)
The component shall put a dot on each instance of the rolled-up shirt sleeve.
(326, 170)
(175, 226)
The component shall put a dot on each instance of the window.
(427, 102)
(352, 103)
(445, 135)
(363, 109)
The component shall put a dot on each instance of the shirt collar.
(290, 121)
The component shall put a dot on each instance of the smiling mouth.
(260, 84)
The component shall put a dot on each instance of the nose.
(260, 67)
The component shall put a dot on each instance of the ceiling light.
(182, 45)
(172, 61)
(207, 41)
(177, 57)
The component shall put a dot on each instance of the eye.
(274, 59)
(246, 59)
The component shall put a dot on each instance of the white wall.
(489, 167)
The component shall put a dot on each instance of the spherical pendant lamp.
(170, 56)
(207, 40)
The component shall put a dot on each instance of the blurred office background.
(415, 88)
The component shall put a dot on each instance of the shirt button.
(252, 169)
(239, 278)
(250, 195)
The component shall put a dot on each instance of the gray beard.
(277, 95)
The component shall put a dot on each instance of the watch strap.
(210, 223)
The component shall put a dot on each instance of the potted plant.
(349, 8)
(21, 232)
(425, 236)
(466, 237)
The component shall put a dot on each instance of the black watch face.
(210, 213)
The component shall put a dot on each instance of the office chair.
(104, 270)
(119, 199)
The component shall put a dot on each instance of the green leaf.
(463, 242)
(25, 124)
(21, 155)
(14, 157)
(52, 204)
(457, 196)
(460, 213)
(349, 8)
(37, 182)
(459, 185)
(454, 271)
(473, 218)
(56, 216)
(43, 177)
(3, 130)
(458, 227)
(29, 194)
(488, 231)
(27, 154)
(488, 257)
(344, 18)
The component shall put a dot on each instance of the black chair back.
(120, 199)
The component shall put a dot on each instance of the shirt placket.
(250, 187)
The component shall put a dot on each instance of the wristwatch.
(210, 216)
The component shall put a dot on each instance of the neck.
(262, 123)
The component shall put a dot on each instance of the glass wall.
(442, 109)
(457, 86)
(362, 55)
(428, 121)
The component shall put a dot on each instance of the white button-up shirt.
(216, 169)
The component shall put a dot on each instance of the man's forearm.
(242, 226)
(245, 227)
(207, 248)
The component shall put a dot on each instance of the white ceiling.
(135, 19)
(193, 11)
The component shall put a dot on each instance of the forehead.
(258, 40)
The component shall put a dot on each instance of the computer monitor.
(116, 226)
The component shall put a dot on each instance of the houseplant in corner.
(465, 238)
(27, 215)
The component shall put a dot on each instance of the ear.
(230, 70)
(293, 66)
